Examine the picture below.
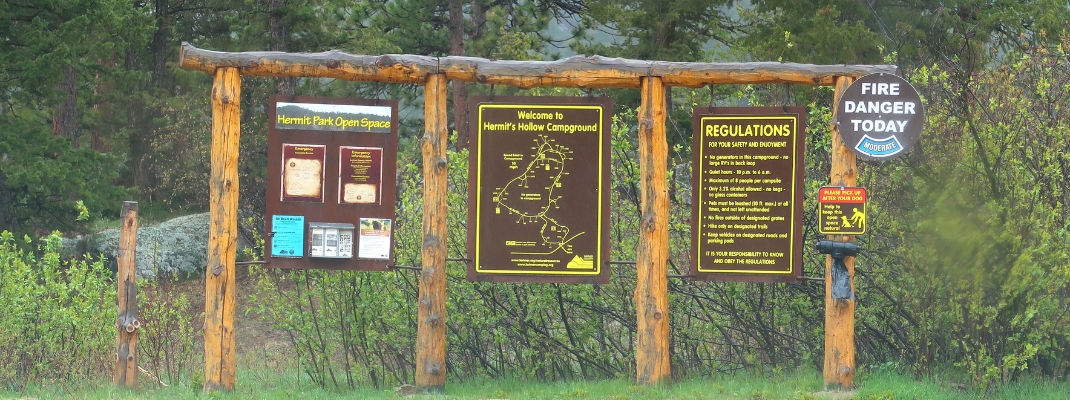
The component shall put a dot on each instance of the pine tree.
(60, 67)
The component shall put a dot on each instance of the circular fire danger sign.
(880, 116)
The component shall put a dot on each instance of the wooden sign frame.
(651, 78)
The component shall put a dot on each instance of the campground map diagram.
(540, 172)
(533, 195)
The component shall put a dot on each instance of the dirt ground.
(256, 341)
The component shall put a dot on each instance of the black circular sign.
(880, 116)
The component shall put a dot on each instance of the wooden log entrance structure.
(650, 77)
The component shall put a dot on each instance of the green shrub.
(968, 261)
(58, 319)
(167, 342)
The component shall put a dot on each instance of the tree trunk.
(101, 87)
(159, 43)
(65, 117)
(839, 368)
(479, 19)
(276, 10)
(460, 88)
(141, 116)
(576, 71)
(431, 310)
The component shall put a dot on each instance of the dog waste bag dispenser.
(841, 278)
(330, 240)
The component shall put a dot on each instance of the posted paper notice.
(288, 236)
(374, 239)
(302, 172)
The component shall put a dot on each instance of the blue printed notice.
(287, 236)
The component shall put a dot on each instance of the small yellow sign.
(842, 211)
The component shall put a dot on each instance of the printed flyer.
(302, 172)
(360, 172)
(374, 241)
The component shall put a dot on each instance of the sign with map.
(538, 189)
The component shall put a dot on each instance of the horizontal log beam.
(394, 68)
(576, 71)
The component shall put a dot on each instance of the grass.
(795, 385)
(890, 385)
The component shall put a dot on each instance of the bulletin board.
(331, 184)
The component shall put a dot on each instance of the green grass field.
(796, 385)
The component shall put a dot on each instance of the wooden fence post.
(128, 321)
(431, 310)
(839, 368)
(219, 354)
(651, 289)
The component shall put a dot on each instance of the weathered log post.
(219, 352)
(128, 321)
(431, 310)
(651, 290)
(839, 368)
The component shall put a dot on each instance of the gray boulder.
(175, 247)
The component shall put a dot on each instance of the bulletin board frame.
(339, 203)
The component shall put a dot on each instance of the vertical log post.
(651, 290)
(431, 310)
(839, 368)
(128, 322)
(219, 354)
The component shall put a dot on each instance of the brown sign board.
(841, 210)
(331, 183)
(880, 117)
(538, 189)
(747, 180)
